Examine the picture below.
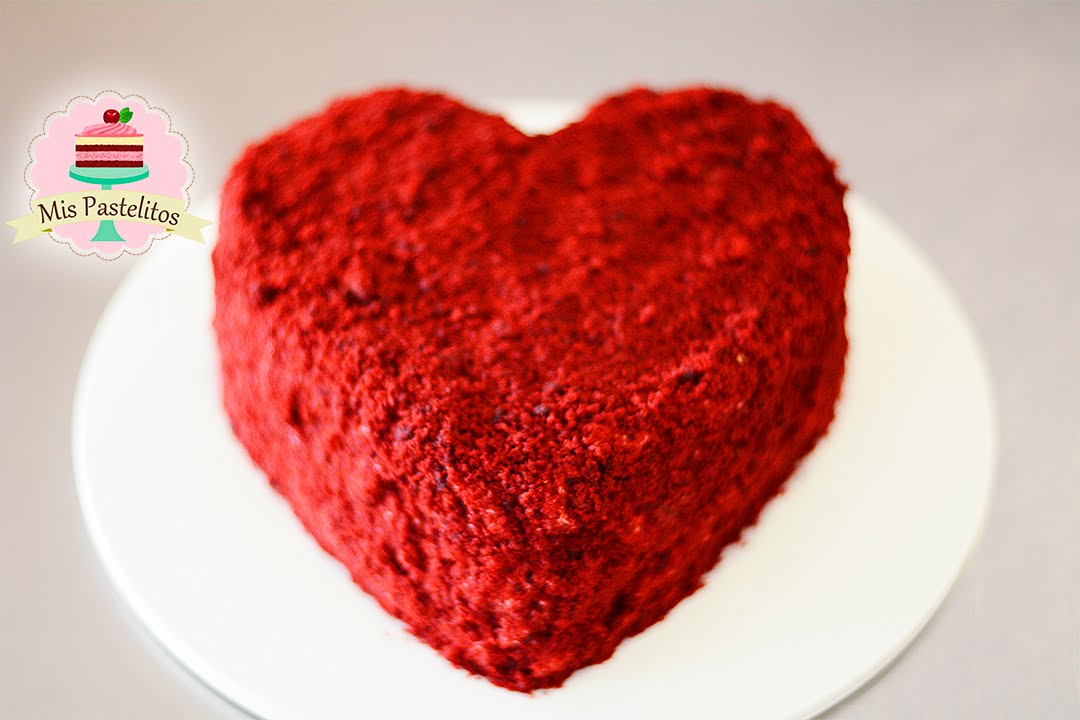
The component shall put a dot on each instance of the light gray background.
(961, 122)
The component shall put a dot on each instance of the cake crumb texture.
(526, 389)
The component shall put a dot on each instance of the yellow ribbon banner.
(117, 205)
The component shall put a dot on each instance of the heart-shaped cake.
(526, 389)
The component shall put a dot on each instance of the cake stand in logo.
(106, 177)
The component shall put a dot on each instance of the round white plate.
(840, 574)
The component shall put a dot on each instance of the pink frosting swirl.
(109, 129)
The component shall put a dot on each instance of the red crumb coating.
(526, 389)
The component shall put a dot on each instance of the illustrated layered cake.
(112, 143)
(527, 389)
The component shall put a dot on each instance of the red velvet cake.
(527, 389)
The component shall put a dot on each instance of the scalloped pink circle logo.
(108, 175)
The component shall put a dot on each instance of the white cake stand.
(840, 574)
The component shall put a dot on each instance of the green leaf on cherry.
(125, 115)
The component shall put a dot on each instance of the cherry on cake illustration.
(106, 154)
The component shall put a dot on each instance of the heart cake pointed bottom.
(527, 389)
